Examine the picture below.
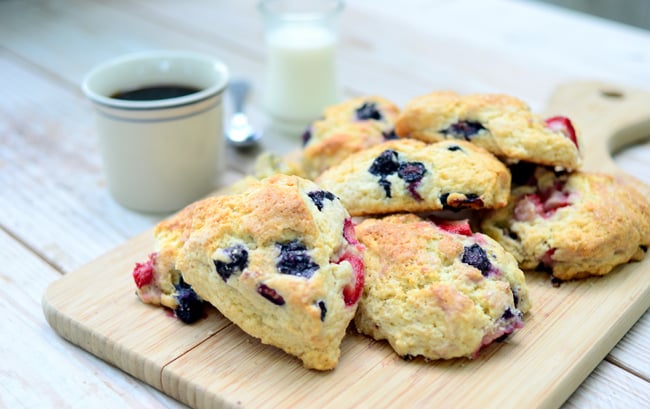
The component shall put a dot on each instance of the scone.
(279, 260)
(346, 128)
(502, 124)
(406, 175)
(158, 280)
(572, 224)
(437, 290)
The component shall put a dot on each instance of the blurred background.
(632, 12)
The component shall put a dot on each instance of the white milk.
(301, 72)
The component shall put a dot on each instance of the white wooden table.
(55, 211)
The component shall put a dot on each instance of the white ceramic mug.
(160, 154)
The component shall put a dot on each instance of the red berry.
(564, 125)
(352, 293)
(348, 232)
(143, 272)
(455, 226)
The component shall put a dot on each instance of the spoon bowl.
(240, 133)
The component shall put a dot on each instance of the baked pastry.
(346, 128)
(158, 280)
(502, 124)
(572, 224)
(279, 260)
(437, 290)
(406, 175)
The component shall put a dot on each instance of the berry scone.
(281, 261)
(406, 175)
(346, 128)
(573, 224)
(435, 289)
(502, 124)
(158, 280)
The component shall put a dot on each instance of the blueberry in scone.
(501, 124)
(435, 289)
(411, 176)
(281, 261)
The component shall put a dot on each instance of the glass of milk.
(301, 76)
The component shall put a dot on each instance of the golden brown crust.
(421, 296)
(511, 131)
(454, 174)
(576, 225)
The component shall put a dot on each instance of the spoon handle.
(238, 91)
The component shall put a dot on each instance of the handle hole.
(611, 93)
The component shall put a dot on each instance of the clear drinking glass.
(301, 74)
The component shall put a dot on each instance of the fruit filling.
(388, 163)
(231, 260)
(463, 130)
(368, 111)
(318, 196)
(270, 294)
(563, 124)
(295, 260)
(190, 305)
(476, 257)
(461, 227)
(543, 203)
(143, 273)
(352, 293)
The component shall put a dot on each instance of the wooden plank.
(39, 368)
(611, 387)
(633, 352)
(539, 367)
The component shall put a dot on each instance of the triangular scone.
(574, 225)
(280, 260)
(502, 124)
(437, 290)
(406, 175)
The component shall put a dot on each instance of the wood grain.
(213, 363)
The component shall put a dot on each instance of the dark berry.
(507, 314)
(515, 297)
(390, 135)
(368, 111)
(237, 261)
(476, 257)
(408, 357)
(306, 136)
(386, 185)
(323, 310)
(411, 171)
(455, 148)
(295, 260)
(463, 129)
(471, 200)
(317, 196)
(270, 294)
(385, 164)
(190, 305)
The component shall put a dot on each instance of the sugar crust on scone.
(406, 175)
(435, 293)
(279, 260)
(502, 124)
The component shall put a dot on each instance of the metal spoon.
(240, 133)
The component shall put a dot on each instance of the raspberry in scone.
(435, 289)
(281, 261)
(158, 280)
(502, 124)
(406, 175)
(574, 225)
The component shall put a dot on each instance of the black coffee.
(155, 92)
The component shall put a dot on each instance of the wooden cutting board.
(214, 364)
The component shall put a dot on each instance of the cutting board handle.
(609, 118)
